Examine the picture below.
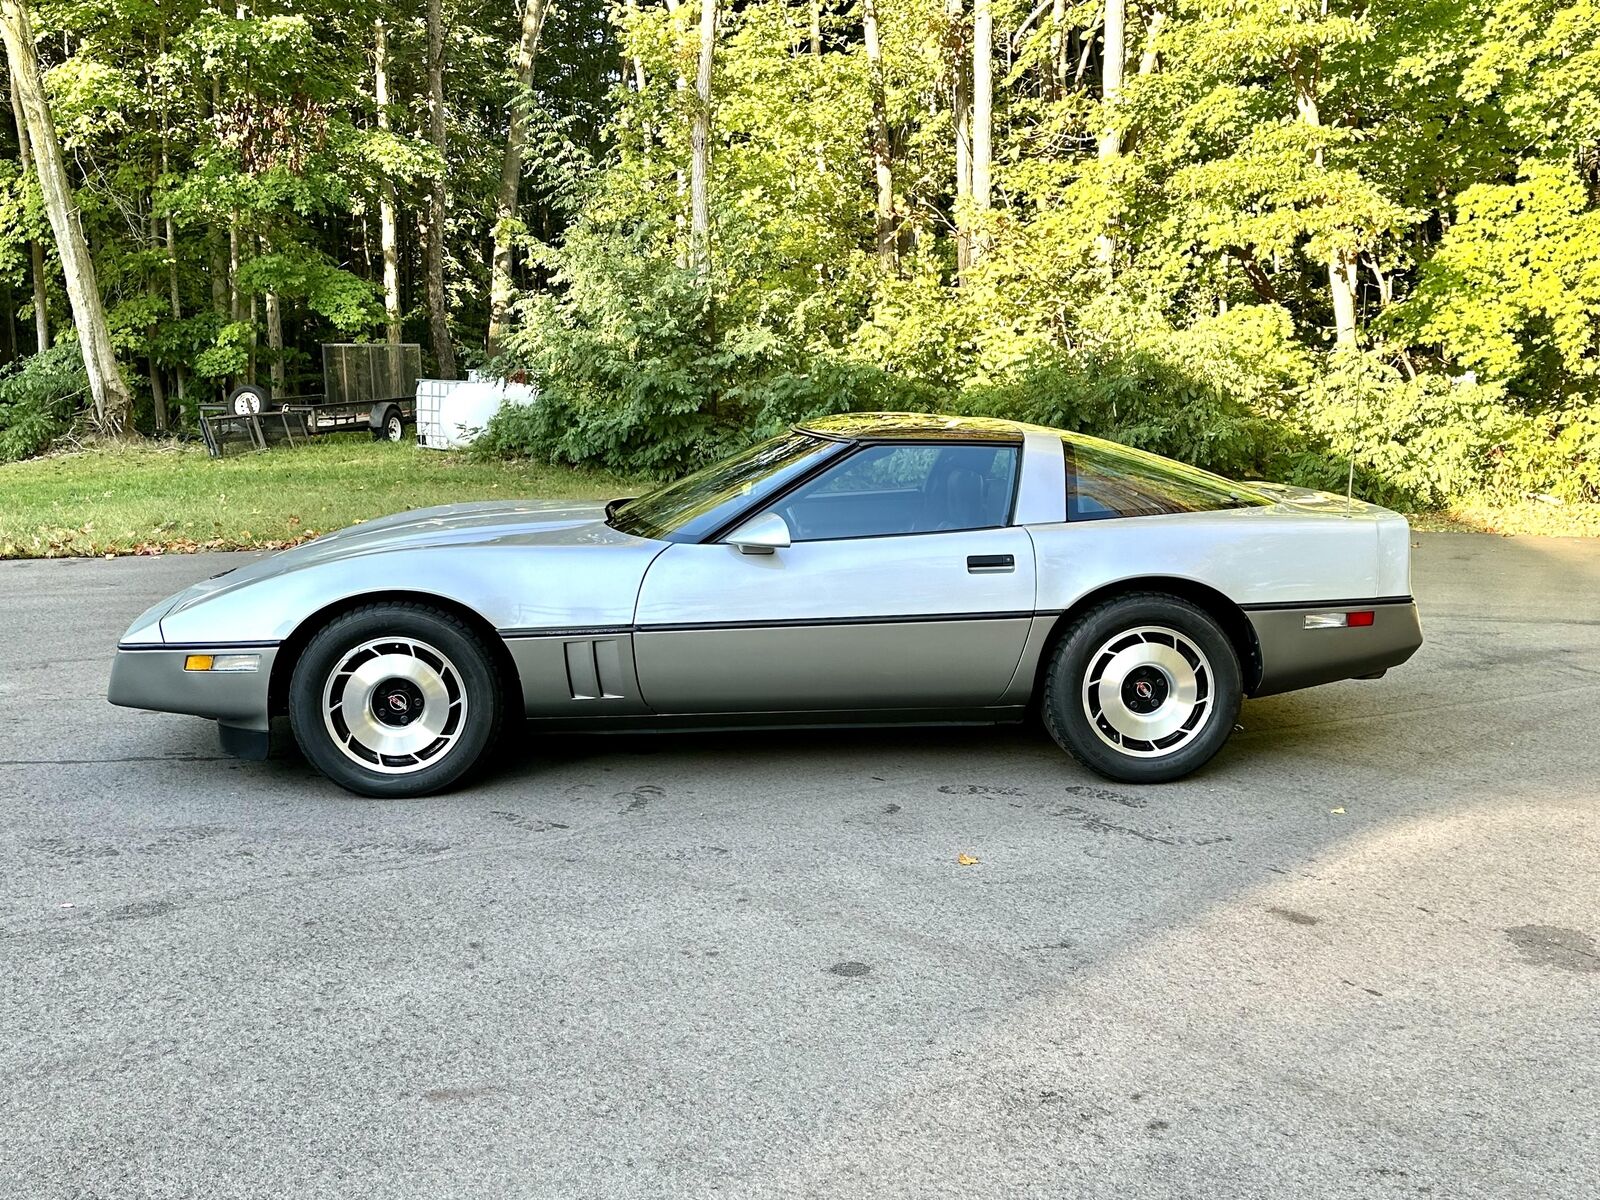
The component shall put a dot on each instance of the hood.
(457, 524)
(489, 523)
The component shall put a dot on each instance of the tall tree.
(882, 174)
(444, 353)
(387, 236)
(502, 285)
(700, 144)
(1113, 59)
(1306, 71)
(113, 403)
(982, 115)
(41, 296)
(961, 122)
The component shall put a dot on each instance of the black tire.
(451, 671)
(1115, 672)
(249, 398)
(390, 426)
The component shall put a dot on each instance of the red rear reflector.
(1359, 618)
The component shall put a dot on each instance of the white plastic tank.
(452, 412)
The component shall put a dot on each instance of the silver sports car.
(864, 568)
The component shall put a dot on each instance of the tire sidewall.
(1070, 725)
(479, 679)
(261, 393)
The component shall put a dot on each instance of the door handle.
(981, 564)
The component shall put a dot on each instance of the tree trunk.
(280, 370)
(816, 29)
(1150, 59)
(636, 67)
(700, 137)
(961, 121)
(113, 404)
(1113, 56)
(1058, 48)
(41, 297)
(388, 236)
(173, 296)
(158, 395)
(444, 354)
(679, 221)
(235, 308)
(982, 115)
(1341, 262)
(880, 135)
(501, 283)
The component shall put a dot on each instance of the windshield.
(696, 505)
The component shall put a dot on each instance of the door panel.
(893, 622)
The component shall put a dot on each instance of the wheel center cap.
(397, 702)
(1145, 690)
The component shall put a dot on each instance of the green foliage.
(640, 372)
(39, 397)
(1177, 290)
(1513, 290)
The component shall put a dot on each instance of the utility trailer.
(367, 385)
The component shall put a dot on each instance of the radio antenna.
(1355, 432)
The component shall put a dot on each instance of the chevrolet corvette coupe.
(872, 567)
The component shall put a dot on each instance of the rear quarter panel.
(1273, 555)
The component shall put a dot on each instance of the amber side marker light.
(224, 664)
(1339, 620)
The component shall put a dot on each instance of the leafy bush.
(39, 396)
(1419, 442)
(1555, 454)
(640, 372)
(1141, 402)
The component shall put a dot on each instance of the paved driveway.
(1355, 957)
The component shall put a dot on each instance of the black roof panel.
(913, 427)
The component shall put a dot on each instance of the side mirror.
(760, 535)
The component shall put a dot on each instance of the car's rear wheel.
(395, 700)
(1145, 688)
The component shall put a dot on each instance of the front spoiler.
(1293, 656)
(152, 677)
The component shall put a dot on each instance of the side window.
(896, 489)
(1106, 480)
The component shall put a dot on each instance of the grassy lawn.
(165, 497)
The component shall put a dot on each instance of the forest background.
(1271, 238)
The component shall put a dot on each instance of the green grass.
(148, 498)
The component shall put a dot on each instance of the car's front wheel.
(1145, 688)
(395, 700)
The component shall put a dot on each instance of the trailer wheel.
(248, 399)
(391, 427)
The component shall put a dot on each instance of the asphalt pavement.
(1356, 956)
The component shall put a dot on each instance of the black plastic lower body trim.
(251, 744)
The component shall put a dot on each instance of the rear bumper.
(153, 677)
(1293, 656)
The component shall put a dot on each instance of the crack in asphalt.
(101, 762)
